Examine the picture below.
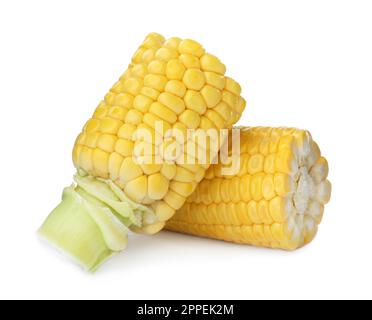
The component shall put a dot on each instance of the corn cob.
(275, 200)
(125, 178)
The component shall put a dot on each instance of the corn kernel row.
(275, 200)
(174, 82)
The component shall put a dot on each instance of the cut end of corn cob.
(275, 200)
(170, 87)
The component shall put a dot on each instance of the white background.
(301, 63)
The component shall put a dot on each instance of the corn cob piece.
(129, 154)
(275, 200)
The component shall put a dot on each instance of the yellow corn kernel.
(163, 211)
(285, 161)
(265, 146)
(150, 229)
(194, 79)
(157, 67)
(175, 69)
(172, 43)
(172, 102)
(268, 187)
(170, 149)
(253, 212)
(211, 95)
(216, 119)
(163, 112)
(132, 86)
(137, 57)
(92, 125)
(190, 167)
(245, 193)
(153, 121)
(157, 186)
(199, 174)
(81, 138)
(277, 231)
(145, 133)
(183, 175)
(175, 87)
(206, 124)
(139, 70)
(286, 142)
(153, 40)
(114, 165)
(264, 212)
(111, 126)
(110, 98)
(274, 142)
(91, 139)
(100, 162)
(129, 170)
(268, 237)
(117, 88)
(191, 47)
(106, 142)
(148, 55)
(283, 184)
(144, 149)
(150, 93)
(256, 164)
(233, 87)
(258, 233)
(179, 132)
(142, 103)
(215, 80)
(118, 113)
(190, 118)
(86, 158)
(156, 82)
(269, 165)
(151, 166)
(223, 110)
(182, 188)
(168, 170)
(136, 189)
(101, 111)
(125, 76)
(230, 99)
(134, 117)
(166, 54)
(126, 131)
(256, 186)
(194, 101)
(212, 64)
(174, 200)
(278, 209)
(190, 61)
(76, 153)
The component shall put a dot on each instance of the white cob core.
(311, 190)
